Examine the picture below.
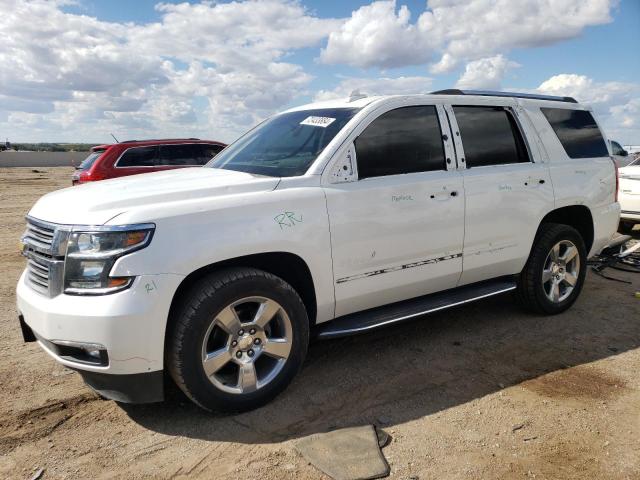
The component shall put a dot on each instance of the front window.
(404, 140)
(285, 145)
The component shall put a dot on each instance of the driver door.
(397, 230)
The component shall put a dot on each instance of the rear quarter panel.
(580, 181)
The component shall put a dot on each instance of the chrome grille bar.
(45, 245)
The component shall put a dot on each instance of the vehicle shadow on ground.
(438, 361)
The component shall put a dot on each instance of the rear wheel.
(554, 274)
(241, 336)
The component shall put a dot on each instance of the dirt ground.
(483, 391)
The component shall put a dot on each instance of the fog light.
(95, 353)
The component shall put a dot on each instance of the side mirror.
(624, 153)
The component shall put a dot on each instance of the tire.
(538, 294)
(249, 363)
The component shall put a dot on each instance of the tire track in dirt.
(40, 422)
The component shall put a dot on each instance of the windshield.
(285, 145)
(87, 162)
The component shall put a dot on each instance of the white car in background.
(629, 196)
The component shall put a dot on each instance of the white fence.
(41, 159)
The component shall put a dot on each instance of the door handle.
(531, 181)
(444, 195)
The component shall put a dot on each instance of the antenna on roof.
(356, 95)
(114, 137)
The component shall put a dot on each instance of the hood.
(97, 202)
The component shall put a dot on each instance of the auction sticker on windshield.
(318, 121)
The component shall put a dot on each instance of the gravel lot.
(482, 391)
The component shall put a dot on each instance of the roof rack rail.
(158, 139)
(489, 93)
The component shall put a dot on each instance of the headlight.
(92, 253)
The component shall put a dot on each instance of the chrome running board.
(408, 309)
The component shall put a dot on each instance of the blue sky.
(212, 70)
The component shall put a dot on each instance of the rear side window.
(139, 157)
(577, 131)
(184, 154)
(405, 140)
(490, 136)
(90, 160)
(617, 149)
(210, 151)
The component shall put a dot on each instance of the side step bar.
(400, 311)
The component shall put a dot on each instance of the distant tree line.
(53, 147)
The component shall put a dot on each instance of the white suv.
(325, 220)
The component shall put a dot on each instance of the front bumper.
(133, 388)
(630, 215)
(129, 325)
(629, 198)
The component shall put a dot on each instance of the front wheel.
(554, 274)
(240, 338)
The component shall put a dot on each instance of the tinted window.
(184, 154)
(617, 149)
(90, 160)
(210, 151)
(404, 140)
(577, 131)
(285, 145)
(490, 136)
(139, 157)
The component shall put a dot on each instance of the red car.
(144, 156)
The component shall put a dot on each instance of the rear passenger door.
(396, 231)
(507, 188)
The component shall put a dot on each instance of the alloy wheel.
(247, 345)
(560, 271)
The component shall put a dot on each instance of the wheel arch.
(288, 266)
(576, 216)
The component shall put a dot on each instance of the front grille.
(39, 235)
(45, 245)
(38, 273)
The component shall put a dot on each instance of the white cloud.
(382, 35)
(79, 78)
(376, 35)
(617, 104)
(486, 73)
(376, 86)
(213, 69)
(446, 64)
(232, 35)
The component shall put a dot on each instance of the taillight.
(615, 165)
(88, 176)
